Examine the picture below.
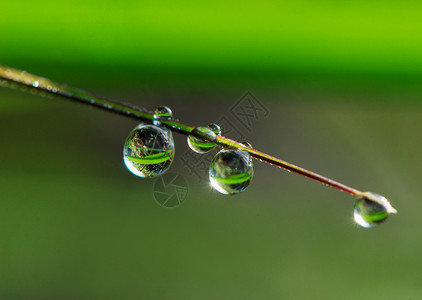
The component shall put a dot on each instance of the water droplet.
(230, 171)
(372, 209)
(35, 83)
(202, 145)
(148, 151)
(215, 128)
(247, 144)
(163, 113)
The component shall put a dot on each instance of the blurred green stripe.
(382, 36)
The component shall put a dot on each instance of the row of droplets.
(149, 151)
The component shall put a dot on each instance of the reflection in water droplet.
(202, 145)
(230, 171)
(372, 209)
(148, 151)
(35, 83)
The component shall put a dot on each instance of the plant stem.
(13, 78)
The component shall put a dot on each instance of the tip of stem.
(391, 210)
(381, 200)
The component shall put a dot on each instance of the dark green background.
(342, 81)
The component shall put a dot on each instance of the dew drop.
(247, 144)
(202, 145)
(215, 128)
(162, 113)
(230, 171)
(372, 209)
(35, 83)
(148, 151)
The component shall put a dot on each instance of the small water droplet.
(247, 144)
(148, 151)
(230, 172)
(202, 145)
(215, 128)
(35, 83)
(163, 113)
(372, 209)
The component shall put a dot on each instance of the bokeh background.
(342, 83)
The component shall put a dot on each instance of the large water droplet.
(372, 209)
(203, 143)
(230, 171)
(148, 151)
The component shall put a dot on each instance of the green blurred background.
(342, 82)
